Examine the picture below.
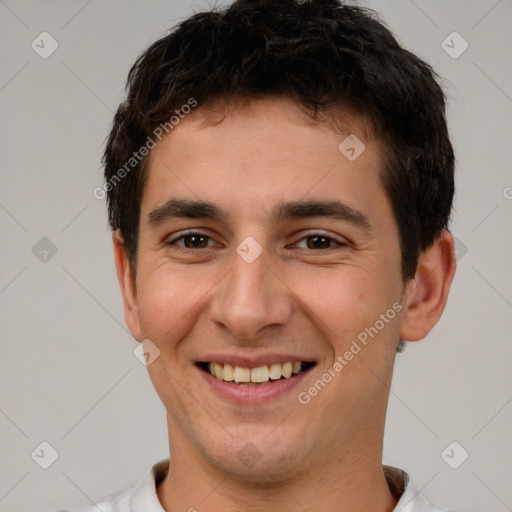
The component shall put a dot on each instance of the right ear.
(126, 279)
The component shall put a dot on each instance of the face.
(265, 252)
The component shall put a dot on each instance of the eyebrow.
(330, 209)
(189, 209)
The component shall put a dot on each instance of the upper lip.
(253, 361)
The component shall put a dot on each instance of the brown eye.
(318, 242)
(193, 241)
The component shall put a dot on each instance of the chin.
(255, 458)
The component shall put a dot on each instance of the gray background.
(67, 372)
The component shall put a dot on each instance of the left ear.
(427, 293)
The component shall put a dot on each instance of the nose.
(252, 298)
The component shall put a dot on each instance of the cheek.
(155, 296)
(332, 300)
(164, 298)
(170, 298)
(348, 302)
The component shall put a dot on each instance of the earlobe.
(427, 293)
(126, 279)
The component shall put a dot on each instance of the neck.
(344, 480)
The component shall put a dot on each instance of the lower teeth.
(247, 384)
(253, 383)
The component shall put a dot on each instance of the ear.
(126, 279)
(427, 293)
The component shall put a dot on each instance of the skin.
(293, 299)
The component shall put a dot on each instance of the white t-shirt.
(143, 497)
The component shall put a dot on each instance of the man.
(279, 183)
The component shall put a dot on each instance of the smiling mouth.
(261, 375)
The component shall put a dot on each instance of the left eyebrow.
(332, 209)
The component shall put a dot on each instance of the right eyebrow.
(185, 208)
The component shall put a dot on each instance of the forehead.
(261, 153)
(271, 121)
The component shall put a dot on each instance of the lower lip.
(253, 394)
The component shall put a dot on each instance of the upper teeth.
(229, 373)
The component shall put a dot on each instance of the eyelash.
(190, 234)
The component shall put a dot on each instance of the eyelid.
(339, 242)
(186, 233)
